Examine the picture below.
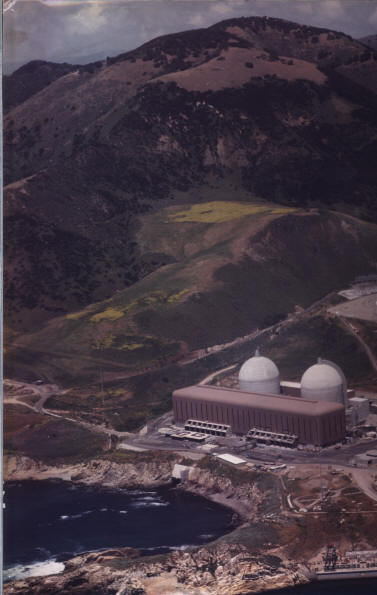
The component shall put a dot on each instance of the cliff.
(96, 472)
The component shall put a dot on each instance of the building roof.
(358, 400)
(231, 459)
(321, 376)
(283, 403)
(258, 368)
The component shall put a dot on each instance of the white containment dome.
(259, 375)
(324, 381)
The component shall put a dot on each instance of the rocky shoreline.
(232, 565)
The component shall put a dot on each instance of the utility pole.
(320, 476)
(102, 395)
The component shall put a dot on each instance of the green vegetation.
(117, 405)
(44, 438)
(253, 535)
(155, 299)
(299, 345)
(125, 342)
(208, 298)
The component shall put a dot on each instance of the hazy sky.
(86, 30)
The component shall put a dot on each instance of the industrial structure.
(264, 410)
(312, 422)
(259, 375)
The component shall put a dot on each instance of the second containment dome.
(324, 381)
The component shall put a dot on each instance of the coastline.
(226, 566)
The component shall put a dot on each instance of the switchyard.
(336, 565)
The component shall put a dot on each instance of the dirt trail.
(363, 479)
(367, 349)
(44, 392)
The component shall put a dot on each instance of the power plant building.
(310, 412)
(313, 422)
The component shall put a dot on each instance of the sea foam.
(34, 569)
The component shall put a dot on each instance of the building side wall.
(290, 391)
(318, 430)
(269, 387)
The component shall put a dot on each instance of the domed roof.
(258, 368)
(324, 381)
(321, 376)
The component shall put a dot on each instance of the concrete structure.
(365, 459)
(360, 407)
(259, 375)
(228, 458)
(351, 418)
(292, 389)
(268, 437)
(206, 427)
(312, 421)
(180, 472)
(324, 381)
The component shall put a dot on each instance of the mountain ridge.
(94, 150)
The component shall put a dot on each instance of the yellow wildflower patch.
(109, 314)
(76, 315)
(222, 211)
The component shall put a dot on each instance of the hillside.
(250, 107)
(232, 268)
(29, 79)
(370, 41)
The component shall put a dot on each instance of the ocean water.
(347, 587)
(47, 522)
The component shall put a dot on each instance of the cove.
(46, 522)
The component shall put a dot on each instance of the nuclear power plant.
(312, 412)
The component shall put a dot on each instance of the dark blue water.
(349, 587)
(47, 521)
(57, 520)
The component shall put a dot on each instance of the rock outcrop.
(221, 569)
(97, 472)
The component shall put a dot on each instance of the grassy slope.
(201, 239)
(237, 268)
(47, 439)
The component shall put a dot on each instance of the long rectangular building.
(313, 422)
